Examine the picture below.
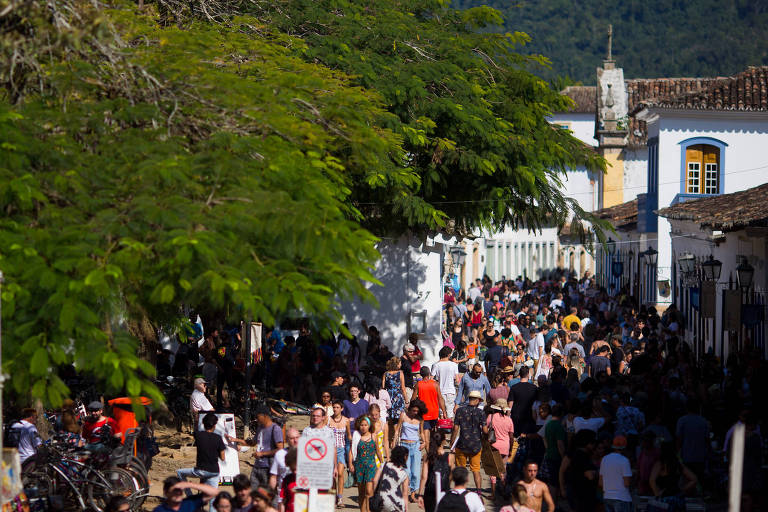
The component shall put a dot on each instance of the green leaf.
(38, 364)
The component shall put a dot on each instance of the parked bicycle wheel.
(139, 472)
(111, 482)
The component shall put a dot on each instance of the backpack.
(12, 436)
(453, 502)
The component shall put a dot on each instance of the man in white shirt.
(615, 478)
(279, 469)
(557, 302)
(198, 401)
(24, 434)
(317, 423)
(459, 475)
(475, 291)
(535, 346)
(446, 373)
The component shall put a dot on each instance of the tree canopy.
(241, 156)
(471, 112)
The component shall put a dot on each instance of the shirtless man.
(538, 491)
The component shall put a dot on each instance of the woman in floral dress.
(364, 464)
(394, 382)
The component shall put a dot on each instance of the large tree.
(239, 156)
(145, 166)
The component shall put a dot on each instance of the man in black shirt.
(337, 389)
(617, 356)
(494, 352)
(210, 449)
(520, 399)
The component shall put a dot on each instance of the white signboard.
(316, 458)
(322, 503)
(229, 468)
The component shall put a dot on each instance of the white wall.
(582, 125)
(410, 273)
(635, 173)
(578, 183)
(745, 159)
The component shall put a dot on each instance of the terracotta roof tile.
(585, 97)
(620, 214)
(642, 90)
(745, 91)
(727, 212)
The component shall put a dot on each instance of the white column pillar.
(505, 252)
(497, 270)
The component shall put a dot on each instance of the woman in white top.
(376, 394)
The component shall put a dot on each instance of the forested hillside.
(651, 39)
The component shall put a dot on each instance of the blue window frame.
(699, 177)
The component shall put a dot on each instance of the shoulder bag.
(491, 436)
(376, 502)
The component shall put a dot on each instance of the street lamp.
(617, 268)
(744, 273)
(611, 246)
(712, 268)
(651, 255)
(458, 256)
(687, 263)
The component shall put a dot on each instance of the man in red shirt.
(98, 429)
(428, 391)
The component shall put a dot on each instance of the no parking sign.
(316, 458)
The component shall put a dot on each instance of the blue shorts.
(429, 424)
(340, 452)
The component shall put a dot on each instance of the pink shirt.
(502, 425)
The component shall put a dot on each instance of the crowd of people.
(565, 395)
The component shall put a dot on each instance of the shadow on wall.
(402, 276)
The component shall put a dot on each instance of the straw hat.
(500, 405)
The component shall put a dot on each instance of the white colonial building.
(720, 246)
(702, 137)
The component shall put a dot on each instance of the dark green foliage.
(666, 38)
(472, 116)
(238, 156)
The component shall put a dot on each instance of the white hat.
(475, 394)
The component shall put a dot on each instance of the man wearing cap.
(615, 478)
(198, 402)
(469, 425)
(267, 440)
(98, 428)
(173, 489)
